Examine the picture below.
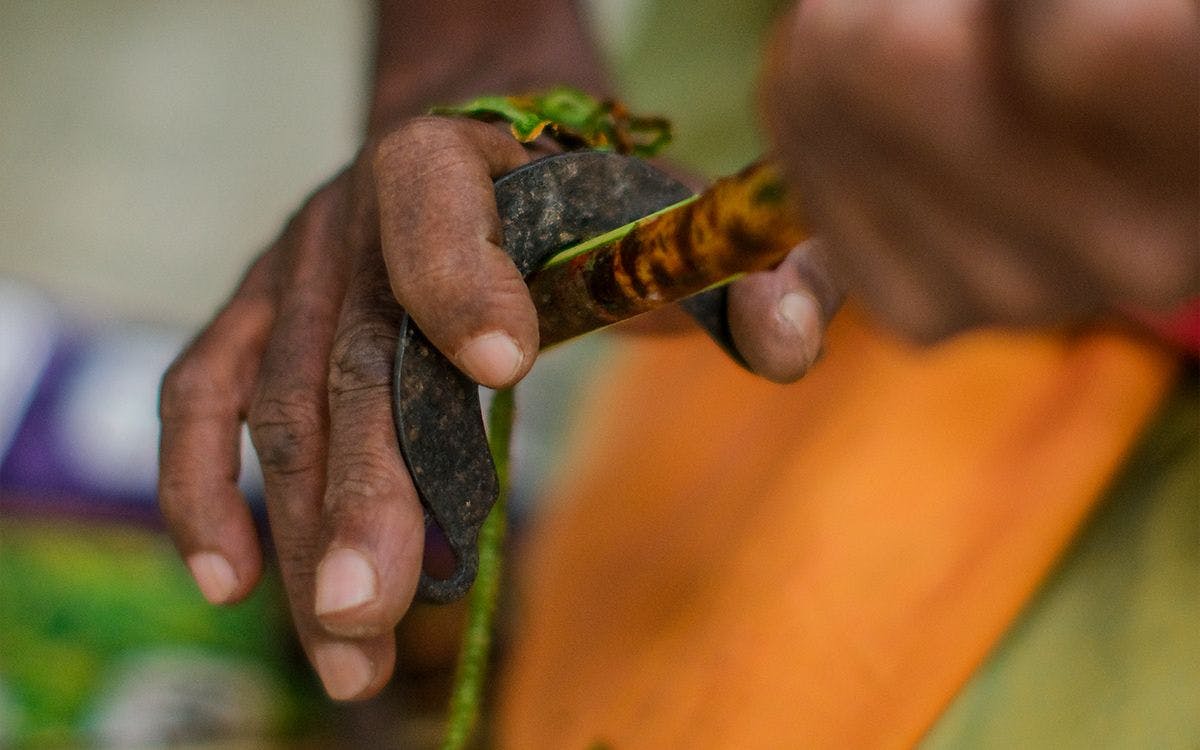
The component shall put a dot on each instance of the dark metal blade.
(545, 206)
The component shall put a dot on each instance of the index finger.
(441, 240)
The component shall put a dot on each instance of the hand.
(976, 162)
(303, 353)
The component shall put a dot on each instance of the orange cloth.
(734, 564)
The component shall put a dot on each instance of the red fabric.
(1181, 328)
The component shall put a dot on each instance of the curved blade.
(544, 207)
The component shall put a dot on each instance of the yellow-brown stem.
(740, 224)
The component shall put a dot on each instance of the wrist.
(436, 53)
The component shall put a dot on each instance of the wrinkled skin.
(956, 178)
(303, 352)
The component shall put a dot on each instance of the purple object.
(78, 410)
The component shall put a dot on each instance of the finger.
(374, 526)
(940, 119)
(1001, 200)
(997, 279)
(289, 425)
(829, 121)
(778, 317)
(353, 669)
(886, 275)
(1118, 78)
(203, 401)
(441, 240)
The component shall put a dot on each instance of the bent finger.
(289, 424)
(374, 525)
(441, 239)
(204, 397)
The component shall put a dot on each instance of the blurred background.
(148, 151)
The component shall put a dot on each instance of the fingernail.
(344, 669)
(214, 575)
(492, 359)
(801, 312)
(344, 579)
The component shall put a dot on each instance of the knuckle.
(439, 281)
(311, 232)
(296, 551)
(453, 296)
(413, 133)
(371, 296)
(286, 430)
(362, 357)
(316, 210)
(363, 474)
(191, 386)
(430, 148)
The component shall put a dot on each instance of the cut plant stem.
(470, 678)
(739, 225)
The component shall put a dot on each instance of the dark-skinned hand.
(962, 170)
(984, 162)
(303, 351)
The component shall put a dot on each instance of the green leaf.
(574, 118)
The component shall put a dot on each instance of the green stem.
(471, 673)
